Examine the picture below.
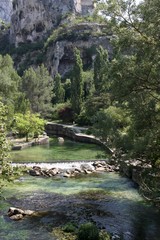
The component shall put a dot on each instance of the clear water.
(108, 199)
(55, 151)
(112, 201)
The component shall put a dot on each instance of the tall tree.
(9, 81)
(58, 90)
(135, 69)
(77, 83)
(37, 84)
(5, 167)
(100, 69)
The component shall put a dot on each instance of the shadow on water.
(109, 200)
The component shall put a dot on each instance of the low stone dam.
(72, 132)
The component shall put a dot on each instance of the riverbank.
(144, 175)
(20, 143)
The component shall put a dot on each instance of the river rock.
(34, 172)
(18, 214)
(99, 163)
(54, 171)
(68, 173)
(86, 167)
(14, 211)
(28, 212)
(17, 217)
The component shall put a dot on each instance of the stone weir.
(54, 129)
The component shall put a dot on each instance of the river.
(107, 199)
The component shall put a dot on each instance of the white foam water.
(61, 165)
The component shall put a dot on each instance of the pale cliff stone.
(32, 20)
(5, 10)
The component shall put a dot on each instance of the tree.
(28, 123)
(23, 104)
(58, 89)
(6, 170)
(38, 88)
(88, 83)
(111, 125)
(135, 69)
(77, 83)
(9, 81)
(100, 70)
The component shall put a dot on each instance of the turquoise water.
(55, 151)
(111, 201)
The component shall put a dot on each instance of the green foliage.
(157, 163)
(58, 90)
(77, 83)
(111, 125)
(27, 47)
(70, 227)
(60, 234)
(88, 86)
(28, 123)
(63, 111)
(82, 119)
(75, 31)
(101, 70)
(6, 170)
(88, 231)
(95, 103)
(22, 104)
(104, 235)
(67, 88)
(130, 79)
(38, 88)
(9, 81)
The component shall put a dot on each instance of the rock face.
(32, 20)
(47, 32)
(5, 10)
(84, 36)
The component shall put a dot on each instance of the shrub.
(63, 111)
(157, 163)
(69, 227)
(88, 231)
(83, 120)
(66, 114)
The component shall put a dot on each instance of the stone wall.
(53, 129)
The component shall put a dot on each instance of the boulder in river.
(18, 214)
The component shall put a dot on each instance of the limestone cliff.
(32, 20)
(58, 53)
(5, 10)
(84, 36)
(47, 31)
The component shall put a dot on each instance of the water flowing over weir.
(61, 165)
(107, 199)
